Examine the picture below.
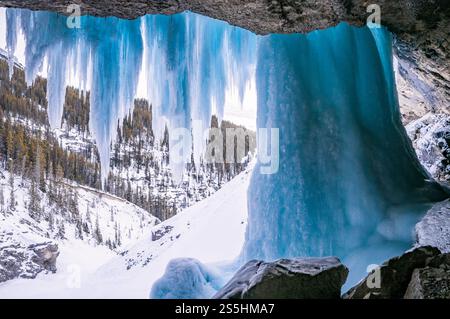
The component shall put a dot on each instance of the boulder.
(392, 278)
(434, 228)
(18, 261)
(307, 278)
(45, 256)
(429, 283)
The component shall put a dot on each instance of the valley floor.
(211, 231)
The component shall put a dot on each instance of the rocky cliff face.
(17, 261)
(422, 28)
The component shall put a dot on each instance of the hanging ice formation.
(189, 63)
(346, 165)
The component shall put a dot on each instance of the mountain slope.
(212, 231)
(94, 219)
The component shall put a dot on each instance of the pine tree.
(51, 192)
(79, 229)
(2, 200)
(12, 197)
(97, 233)
(88, 215)
(34, 204)
(174, 208)
(23, 170)
(128, 194)
(86, 228)
(9, 143)
(40, 170)
(73, 205)
(59, 173)
(61, 231)
(35, 199)
(51, 221)
(118, 240)
(21, 149)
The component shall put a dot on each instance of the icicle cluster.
(188, 63)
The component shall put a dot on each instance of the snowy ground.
(110, 211)
(212, 231)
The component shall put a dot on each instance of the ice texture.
(189, 64)
(345, 158)
(186, 278)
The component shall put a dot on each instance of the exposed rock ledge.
(422, 28)
(421, 273)
(266, 16)
(18, 261)
(391, 279)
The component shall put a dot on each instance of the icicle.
(56, 84)
(116, 47)
(11, 39)
(190, 63)
(104, 56)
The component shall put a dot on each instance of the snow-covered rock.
(434, 228)
(430, 136)
(306, 278)
(17, 261)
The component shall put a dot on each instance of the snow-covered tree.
(12, 197)
(79, 229)
(35, 198)
(2, 200)
(61, 231)
(97, 232)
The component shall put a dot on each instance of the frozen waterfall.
(347, 168)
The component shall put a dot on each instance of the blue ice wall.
(346, 165)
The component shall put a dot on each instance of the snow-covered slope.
(95, 221)
(212, 231)
(113, 216)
